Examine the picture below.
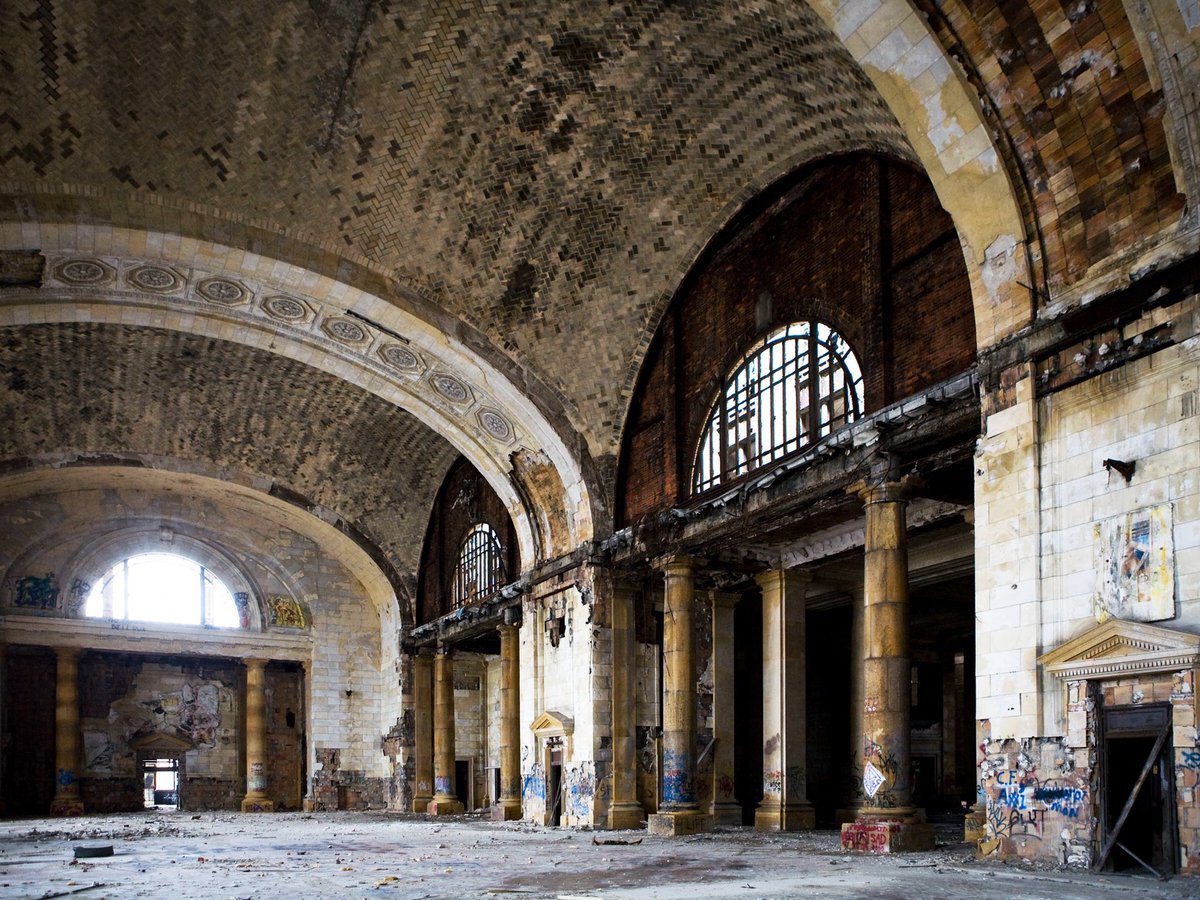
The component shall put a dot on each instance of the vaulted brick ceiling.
(176, 401)
(539, 175)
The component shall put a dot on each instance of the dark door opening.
(1148, 833)
(462, 782)
(554, 788)
(160, 783)
(748, 712)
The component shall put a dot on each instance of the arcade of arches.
(680, 416)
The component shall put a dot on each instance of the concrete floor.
(381, 855)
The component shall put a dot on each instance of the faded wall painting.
(1135, 566)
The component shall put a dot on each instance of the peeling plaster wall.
(559, 680)
(124, 698)
(1038, 801)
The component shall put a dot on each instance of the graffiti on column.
(256, 782)
(677, 782)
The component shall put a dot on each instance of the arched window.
(163, 587)
(480, 568)
(800, 384)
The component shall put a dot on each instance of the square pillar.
(785, 805)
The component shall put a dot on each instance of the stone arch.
(100, 553)
(940, 113)
(48, 479)
(425, 366)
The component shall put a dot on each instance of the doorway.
(464, 781)
(554, 787)
(160, 783)
(1138, 748)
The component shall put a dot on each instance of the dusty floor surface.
(380, 855)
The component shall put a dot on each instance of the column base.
(444, 807)
(679, 824)
(887, 834)
(975, 824)
(421, 804)
(66, 806)
(625, 816)
(785, 818)
(257, 804)
(727, 813)
(506, 811)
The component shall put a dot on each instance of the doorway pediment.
(163, 742)
(552, 724)
(1119, 647)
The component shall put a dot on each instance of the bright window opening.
(802, 383)
(162, 587)
(480, 569)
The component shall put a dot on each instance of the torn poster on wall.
(1135, 566)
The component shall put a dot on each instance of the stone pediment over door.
(551, 724)
(161, 742)
(1118, 648)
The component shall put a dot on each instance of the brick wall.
(464, 500)
(859, 242)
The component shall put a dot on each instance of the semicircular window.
(796, 386)
(480, 568)
(163, 587)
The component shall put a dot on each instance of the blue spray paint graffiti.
(533, 788)
(581, 790)
(442, 786)
(677, 783)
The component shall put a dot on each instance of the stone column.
(509, 805)
(724, 808)
(256, 799)
(67, 801)
(785, 805)
(624, 811)
(679, 813)
(444, 802)
(855, 797)
(422, 675)
(888, 822)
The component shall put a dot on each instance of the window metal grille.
(802, 383)
(480, 569)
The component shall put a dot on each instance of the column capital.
(255, 662)
(677, 564)
(67, 652)
(723, 599)
(899, 491)
(506, 628)
(793, 578)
